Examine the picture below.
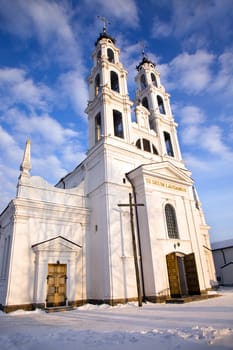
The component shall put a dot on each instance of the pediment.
(167, 171)
(58, 243)
(164, 171)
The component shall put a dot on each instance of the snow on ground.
(206, 324)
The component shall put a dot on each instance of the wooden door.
(56, 285)
(191, 274)
(173, 275)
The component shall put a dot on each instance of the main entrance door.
(182, 274)
(56, 285)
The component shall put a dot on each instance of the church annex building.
(125, 222)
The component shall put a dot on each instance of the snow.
(205, 324)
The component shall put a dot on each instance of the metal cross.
(105, 22)
(143, 46)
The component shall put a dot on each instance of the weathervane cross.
(143, 46)
(105, 22)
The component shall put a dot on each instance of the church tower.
(152, 95)
(109, 107)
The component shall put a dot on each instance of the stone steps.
(59, 309)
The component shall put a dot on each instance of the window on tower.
(114, 81)
(98, 127)
(97, 84)
(145, 102)
(168, 143)
(98, 56)
(153, 79)
(146, 145)
(138, 144)
(160, 105)
(143, 81)
(118, 124)
(172, 228)
(110, 54)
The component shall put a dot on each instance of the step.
(59, 308)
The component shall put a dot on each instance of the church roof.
(222, 244)
(144, 60)
(105, 35)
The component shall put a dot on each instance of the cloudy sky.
(45, 58)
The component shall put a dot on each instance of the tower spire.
(104, 33)
(25, 166)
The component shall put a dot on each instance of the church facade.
(126, 224)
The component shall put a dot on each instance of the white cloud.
(16, 87)
(195, 131)
(191, 72)
(48, 21)
(125, 11)
(74, 89)
(191, 115)
(195, 22)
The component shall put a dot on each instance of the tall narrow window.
(138, 144)
(99, 56)
(160, 105)
(171, 221)
(143, 81)
(97, 84)
(153, 79)
(98, 127)
(118, 124)
(167, 139)
(145, 102)
(5, 257)
(114, 81)
(110, 54)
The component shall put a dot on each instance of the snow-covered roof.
(222, 244)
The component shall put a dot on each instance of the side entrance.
(56, 285)
(182, 275)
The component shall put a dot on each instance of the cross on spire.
(105, 23)
(143, 46)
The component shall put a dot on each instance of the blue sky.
(45, 59)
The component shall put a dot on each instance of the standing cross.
(131, 205)
(105, 22)
(143, 46)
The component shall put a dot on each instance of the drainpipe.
(138, 237)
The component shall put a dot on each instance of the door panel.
(191, 274)
(173, 275)
(56, 285)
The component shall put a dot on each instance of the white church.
(126, 224)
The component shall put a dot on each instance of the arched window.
(98, 56)
(97, 84)
(171, 221)
(143, 81)
(98, 127)
(145, 102)
(154, 149)
(118, 124)
(114, 81)
(168, 143)
(160, 105)
(138, 144)
(153, 79)
(110, 54)
(146, 145)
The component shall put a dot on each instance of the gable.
(58, 243)
(161, 173)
